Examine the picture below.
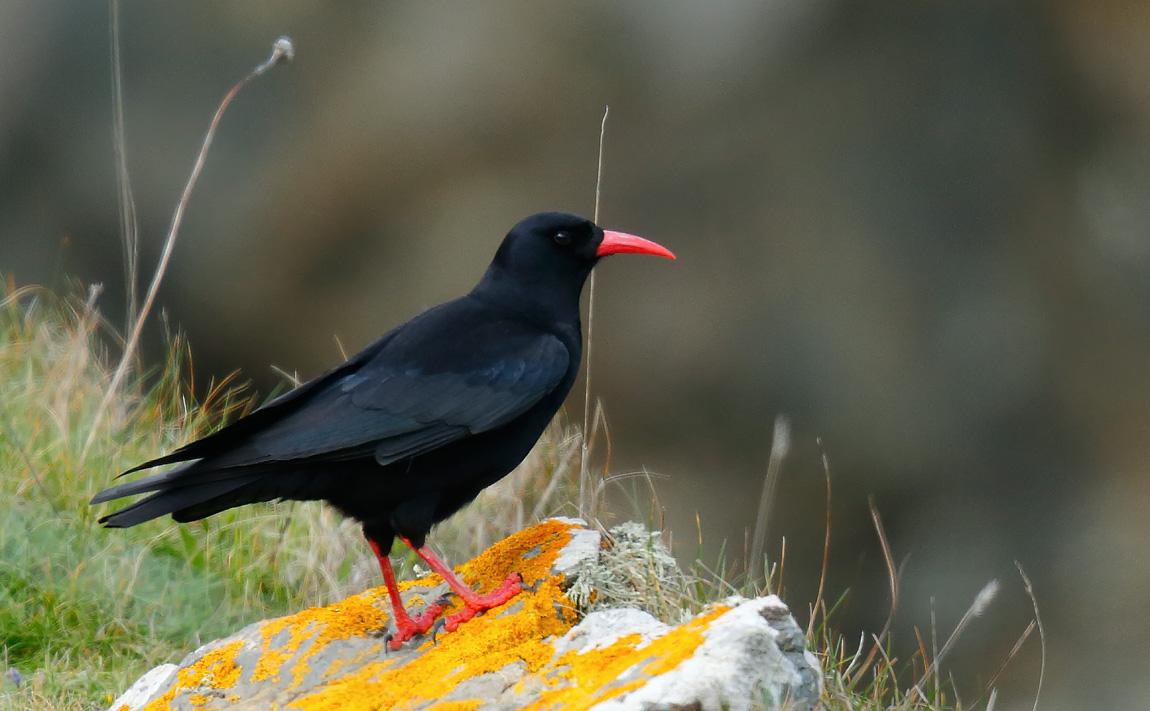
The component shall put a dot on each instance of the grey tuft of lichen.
(634, 569)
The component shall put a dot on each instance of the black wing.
(267, 414)
(394, 408)
(445, 375)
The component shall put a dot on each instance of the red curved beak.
(621, 242)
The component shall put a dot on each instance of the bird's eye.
(562, 238)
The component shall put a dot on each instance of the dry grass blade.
(642, 473)
(933, 632)
(558, 477)
(129, 226)
(780, 447)
(782, 567)
(819, 601)
(584, 450)
(982, 601)
(888, 664)
(282, 51)
(922, 653)
(292, 377)
(849, 671)
(599, 168)
(1012, 654)
(1041, 632)
(892, 579)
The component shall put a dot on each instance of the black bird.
(409, 430)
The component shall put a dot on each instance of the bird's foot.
(407, 627)
(475, 604)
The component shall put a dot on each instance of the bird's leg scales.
(473, 602)
(477, 604)
(406, 626)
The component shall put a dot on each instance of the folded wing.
(416, 389)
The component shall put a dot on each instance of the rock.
(146, 687)
(533, 652)
(604, 627)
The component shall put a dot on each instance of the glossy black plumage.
(409, 430)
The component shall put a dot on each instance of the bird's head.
(548, 256)
(553, 244)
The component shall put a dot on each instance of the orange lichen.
(356, 616)
(519, 632)
(515, 632)
(215, 670)
(580, 680)
(531, 553)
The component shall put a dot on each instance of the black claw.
(387, 643)
(439, 624)
(443, 600)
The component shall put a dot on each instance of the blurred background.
(917, 228)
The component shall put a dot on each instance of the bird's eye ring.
(562, 238)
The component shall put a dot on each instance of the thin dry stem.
(129, 225)
(933, 634)
(780, 446)
(819, 602)
(922, 653)
(292, 377)
(892, 579)
(782, 566)
(888, 664)
(584, 461)
(282, 51)
(599, 169)
(1041, 632)
(1013, 653)
(855, 657)
(982, 601)
(992, 701)
(558, 476)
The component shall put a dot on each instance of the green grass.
(85, 610)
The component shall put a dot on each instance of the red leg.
(405, 626)
(473, 602)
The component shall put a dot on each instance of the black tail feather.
(178, 499)
(250, 493)
(154, 482)
(190, 474)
